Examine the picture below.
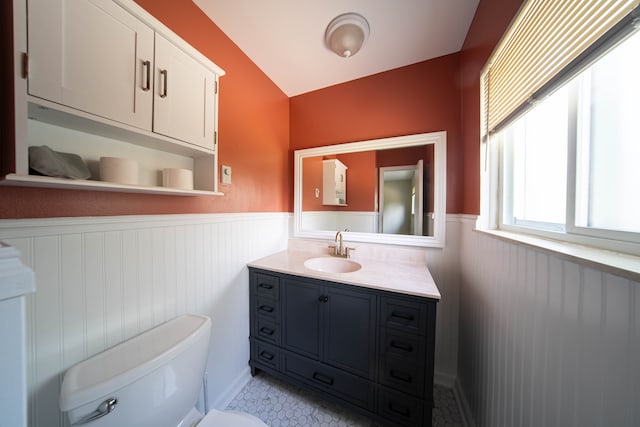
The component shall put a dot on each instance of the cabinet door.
(93, 56)
(185, 94)
(302, 318)
(350, 331)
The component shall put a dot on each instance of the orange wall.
(254, 139)
(418, 98)
(489, 23)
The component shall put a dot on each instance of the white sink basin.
(327, 264)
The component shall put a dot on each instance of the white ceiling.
(285, 38)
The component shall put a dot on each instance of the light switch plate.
(226, 174)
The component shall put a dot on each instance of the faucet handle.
(347, 252)
(333, 249)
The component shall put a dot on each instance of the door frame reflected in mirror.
(438, 139)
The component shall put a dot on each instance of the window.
(570, 166)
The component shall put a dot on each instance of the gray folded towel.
(45, 161)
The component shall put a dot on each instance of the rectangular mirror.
(389, 190)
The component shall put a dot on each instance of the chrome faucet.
(339, 249)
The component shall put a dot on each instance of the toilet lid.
(230, 419)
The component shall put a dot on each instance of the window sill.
(616, 263)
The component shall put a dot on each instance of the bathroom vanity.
(363, 338)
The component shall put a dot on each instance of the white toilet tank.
(150, 380)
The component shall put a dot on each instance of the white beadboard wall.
(544, 341)
(444, 265)
(102, 280)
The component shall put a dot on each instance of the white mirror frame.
(439, 139)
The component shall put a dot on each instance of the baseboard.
(222, 401)
(463, 405)
(446, 380)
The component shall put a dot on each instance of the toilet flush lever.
(103, 409)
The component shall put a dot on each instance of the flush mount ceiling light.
(346, 34)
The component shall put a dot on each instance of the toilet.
(151, 380)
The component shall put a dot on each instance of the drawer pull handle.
(402, 315)
(267, 355)
(402, 376)
(399, 409)
(266, 308)
(265, 286)
(322, 378)
(402, 346)
(267, 331)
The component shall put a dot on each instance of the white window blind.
(545, 37)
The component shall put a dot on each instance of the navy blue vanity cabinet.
(368, 349)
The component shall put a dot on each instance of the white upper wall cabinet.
(93, 56)
(185, 94)
(104, 78)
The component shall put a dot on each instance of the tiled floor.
(279, 404)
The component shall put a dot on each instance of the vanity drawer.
(406, 315)
(403, 376)
(268, 330)
(266, 285)
(268, 307)
(402, 409)
(339, 383)
(266, 354)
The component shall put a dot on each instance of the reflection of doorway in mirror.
(401, 208)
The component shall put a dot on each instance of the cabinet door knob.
(323, 298)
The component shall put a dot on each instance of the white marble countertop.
(405, 274)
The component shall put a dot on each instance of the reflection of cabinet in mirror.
(334, 183)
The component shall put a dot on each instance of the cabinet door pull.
(399, 409)
(146, 65)
(402, 376)
(266, 308)
(323, 298)
(163, 73)
(322, 378)
(267, 355)
(265, 286)
(402, 315)
(402, 346)
(267, 331)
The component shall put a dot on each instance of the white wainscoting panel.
(544, 341)
(102, 280)
(444, 266)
